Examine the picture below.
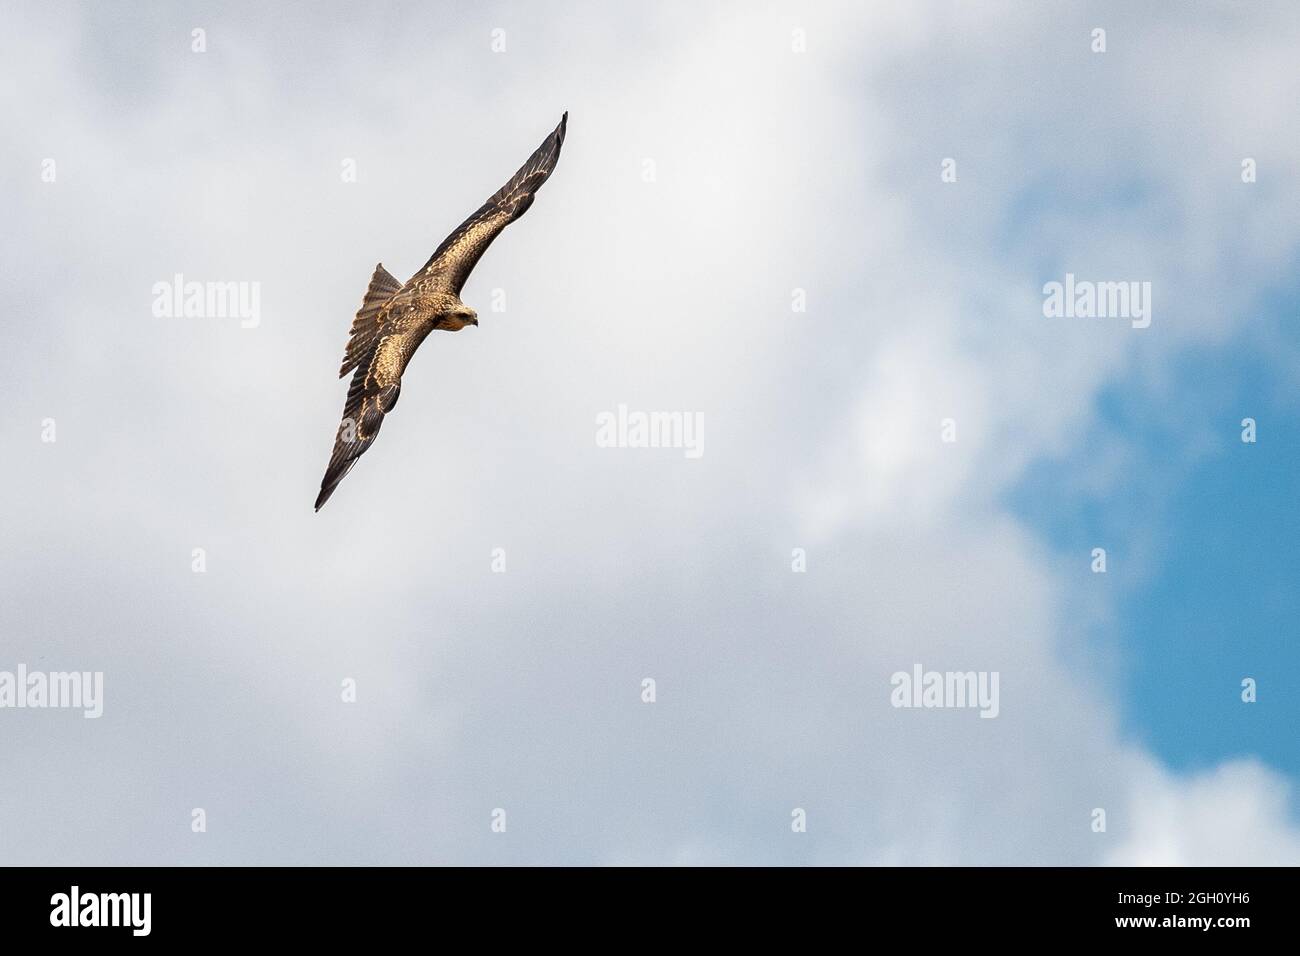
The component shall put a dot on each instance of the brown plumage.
(395, 318)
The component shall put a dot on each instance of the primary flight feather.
(395, 318)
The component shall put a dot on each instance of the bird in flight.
(395, 318)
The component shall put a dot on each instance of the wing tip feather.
(561, 130)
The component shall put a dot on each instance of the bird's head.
(456, 319)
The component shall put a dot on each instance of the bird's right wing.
(452, 262)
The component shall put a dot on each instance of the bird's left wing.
(375, 386)
(452, 262)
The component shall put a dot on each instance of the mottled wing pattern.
(394, 319)
(370, 319)
(452, 262)
(373, 393)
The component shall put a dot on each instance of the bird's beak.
(473, 320)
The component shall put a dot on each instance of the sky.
(822, 231)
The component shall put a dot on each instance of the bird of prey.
(395, 318)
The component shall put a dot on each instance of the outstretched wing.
(452, 262)
(373, 393)
(370, 320)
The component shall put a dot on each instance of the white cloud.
(1236, 814)
(521, 690)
